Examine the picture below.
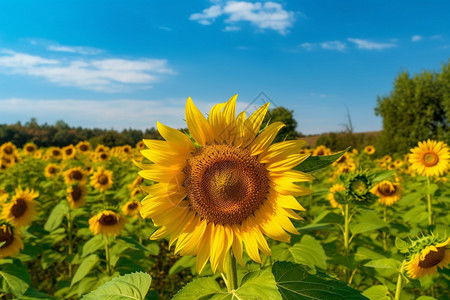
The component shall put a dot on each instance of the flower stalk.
(107, 255)
(232, 281)
(398, 289)
(430, 212)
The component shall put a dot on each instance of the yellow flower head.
(369, 150)
(140, 145)
(136, 183)
(430, 158)
(8, 150)
(107, 222)
(126, 149)
(321, 150)
(428, 255)
(10, 237)
(69, 152)
(51, 170)
(388, 192)
(29, 148)
(331, 196)
(229, 187)
(75, 175)
(131, 208)
(102, 179)
(387, 158)
(76, 195)
(102, 156)
(55, 152)
(21, 210)
(83, 147)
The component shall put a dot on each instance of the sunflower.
(38, 154)
(369, 150)
(135, 192)
(331, 196)
(54, 152)
(140, 145)
(107, 222)
(398, 163)
(430, 158)
(126, 149)
(321, 150)
(428, 254)
(136, 182)
(228, 187)
(387, 158)
(101, 148)
(69, 152)
(8, 149)
(10, 236)
(75, 175)
(51, 170)
(131, 208)
(21, 210)
(102, 179)
(83, 147)
(29, 148)
(76, 195)
(388, 192)
(102, 156)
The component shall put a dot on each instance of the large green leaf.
(56, 216)
(309, 252)
(84, 268)
(130, 286)
(200, 288)
(181, 264)
(93, 245)
(377, 292)
(365, 222)
(294, 282)
(315, 163)
(15, 278)
(385, 263)
(257, 285)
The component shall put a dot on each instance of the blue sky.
(127, 64)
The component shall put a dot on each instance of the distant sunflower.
(101, 148)
(55, 153)
(107, 222)
(430, 158)
(69, 152)
(136, 182)
(51, 170)
(76, 195)
(388, 192)
(22, 208)
(331, 196)
(131, 208)
(428, 255)
(135, 192)
(11, 238)
(387, 158)
(369, 150)
(83, 147)
(102, 156)
(321, 150)
(398, 163)
(8, 149)
(102, 179)
(140, 145)
(29, 148)
(38, 154)
(126, 149)
(75, 175)
(230, 187)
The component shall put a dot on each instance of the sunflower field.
(223, 212)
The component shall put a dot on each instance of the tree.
(282, 114)
(417, 109)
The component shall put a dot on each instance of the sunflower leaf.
(84, 268)
(384, 263)
(309, 252)
(56, 216)
(130, 286)
(315, 163)
(200, 288)
(377, 292)
(258, 285)
(294, 282)
(14, 278)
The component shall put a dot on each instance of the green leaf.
(365, 222)
(56, 216)
(84, 268)
(401, 245)
(384, 263)
(16, 279)
(426, 298)
(93, 245)
(309, 252)
(181, 264)
(33, 294)
(199, 288)
(377, 292)
(130, 286)
(294, 282)
(363, 253)
(432, 189)
(384, 175)
(315, 163)
(258, 285)
(133, 243)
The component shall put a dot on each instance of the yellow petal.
(176, 139)
(265, 138)
(253, 124)
(204, 248)
(197, 124)
(216, 121)
(237, 245)
(217, 246)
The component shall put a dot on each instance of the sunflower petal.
(197, 124)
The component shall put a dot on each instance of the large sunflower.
(429, 254)
(8, 149)
(102, 179)
(11, 238)
(76, 195)
(21, 210)
(388, 192)
(230, 186)
(430, 158)
(75, 175)
(107, 222)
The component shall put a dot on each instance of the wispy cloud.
(267, 15)
(232, 28)
(416, 38)
(329, 45)
(104, 75)
(436, 37)
(368, 45)
(74, 49)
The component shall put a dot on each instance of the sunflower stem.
(69, 236)
(384, 233)
(346, 240)
(398, 289)
(232, 273)
(107, 256)
(430, 213)
(140, 229)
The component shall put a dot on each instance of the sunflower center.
(76, 175)
(6, 236)
(19, 208)
(132, 205)
(69, 151)
(386, 189)
(103, 156)
(8, 150)
(84, 148)
(358, 186)
(108, 220)
(430, 159)
(30, 148)
(76, 193)
(56, 153)
(52, 170)
(103, 179)
(432, 258)
(225, 184)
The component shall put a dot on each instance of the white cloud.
(267, 15)
(436, 37)
(416, 38)
(334, 45)
(368, 45)
(307, 46)
(232, 28)
(74, 49)
(105, 75)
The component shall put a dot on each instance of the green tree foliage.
(282, 114)
(417, 109)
